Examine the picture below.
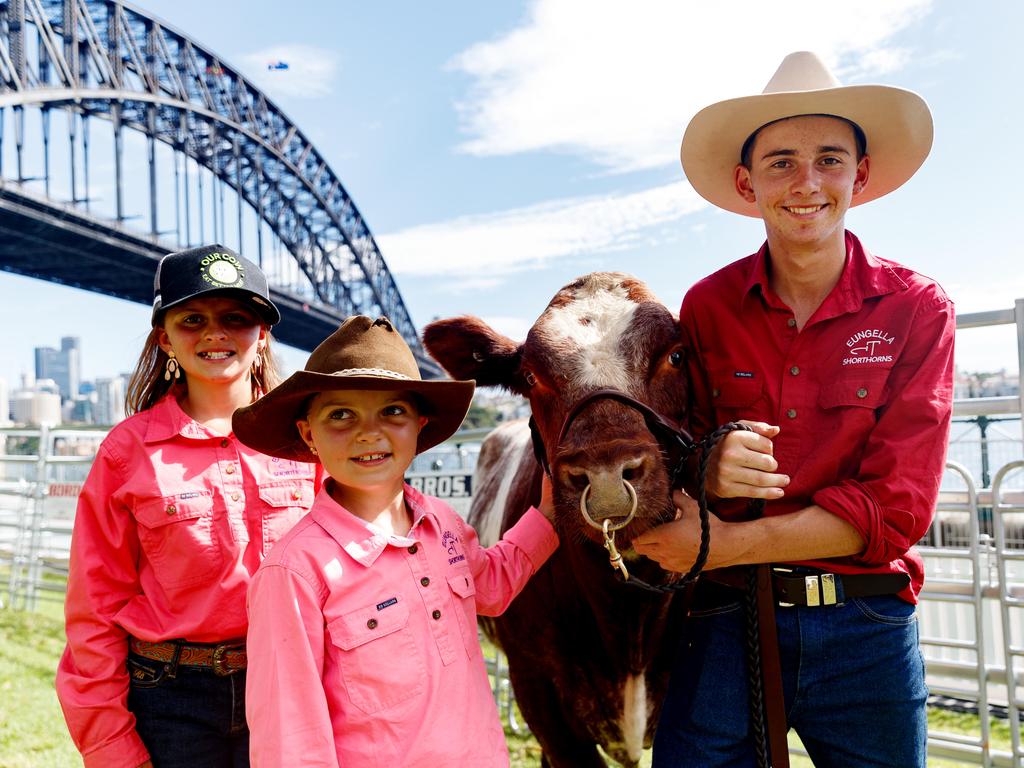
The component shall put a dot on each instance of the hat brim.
(265, 309)
(268, 425)
(896, 122)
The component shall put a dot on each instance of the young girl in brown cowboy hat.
(173, 520)
(362, 620)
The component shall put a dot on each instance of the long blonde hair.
(147, 384)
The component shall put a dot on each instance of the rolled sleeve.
(891, 499)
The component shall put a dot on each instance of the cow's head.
(605, 330)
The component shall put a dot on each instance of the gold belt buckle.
(219, 663)
(827, 593)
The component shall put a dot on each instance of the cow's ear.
(468, 348)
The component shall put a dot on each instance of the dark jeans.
(193, 718)
(853, 677)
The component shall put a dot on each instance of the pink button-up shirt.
(171, 524)
(363, 648)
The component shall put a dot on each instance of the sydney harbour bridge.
(122, 139)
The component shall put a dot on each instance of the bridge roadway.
(46, 240)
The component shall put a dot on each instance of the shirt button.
(795, 370)
(230, 469)
(372, 624)
(171, 509)
(714, 392)
(791, 413)
(436, 615)
(224, 443)
(425, 581)
(296, 494)
(235, 496)
(413, 549)
(862, 392)
(791, 322)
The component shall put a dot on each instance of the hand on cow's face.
(547, 499)
(674, 546)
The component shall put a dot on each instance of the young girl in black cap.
(172, 522)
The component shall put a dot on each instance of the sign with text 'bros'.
(443, 485)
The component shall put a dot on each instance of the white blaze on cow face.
(595, 323)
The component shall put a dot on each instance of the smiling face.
(803, 174)
(366, 439)
(215, 339)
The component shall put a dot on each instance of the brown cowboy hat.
(896, 123)
(362, 354)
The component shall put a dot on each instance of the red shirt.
(862, 394)
(171, 524)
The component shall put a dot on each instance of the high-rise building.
(110, 400)
(63, 365)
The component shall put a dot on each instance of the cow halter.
(677, 445)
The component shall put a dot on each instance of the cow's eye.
(676, 359)
(530, 378)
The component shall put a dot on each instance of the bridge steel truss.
(107, 59)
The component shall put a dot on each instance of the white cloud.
(311, 70)
(487, 246)
(617, 82)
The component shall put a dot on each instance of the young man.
(842, 364)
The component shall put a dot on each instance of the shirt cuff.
(126, 752)
(535, 535)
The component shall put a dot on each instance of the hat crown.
(366, 347)
(801, 71)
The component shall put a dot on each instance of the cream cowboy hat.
(896, 122)
(362, 354)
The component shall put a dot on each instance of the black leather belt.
(811, 588)
(814, 589)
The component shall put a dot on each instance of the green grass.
(33, 735)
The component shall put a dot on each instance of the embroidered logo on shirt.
(450, 543)
(866, 347)
(189, 495)
(744, 374)
(284, 467)
(390, 601)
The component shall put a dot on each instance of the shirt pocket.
(380, 663)
(178, 538)
(849, 405)
(283, 503)
(464, 595)
(735, 397)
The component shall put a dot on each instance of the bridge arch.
(109, 60)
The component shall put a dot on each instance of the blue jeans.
(853, 679)
(193, 718)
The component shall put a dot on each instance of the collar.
(864, 276)
(363, 542)
(167, 420)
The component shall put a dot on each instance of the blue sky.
(498, 150)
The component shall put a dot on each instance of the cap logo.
(222, 270)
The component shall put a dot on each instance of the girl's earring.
(312, 449)
(257, 364)
(172, 368)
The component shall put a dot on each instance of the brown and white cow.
(589, 657)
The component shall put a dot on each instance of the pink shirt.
(171, 524)
(363, 647)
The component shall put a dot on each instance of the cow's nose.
(608, 496)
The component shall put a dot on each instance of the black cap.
(184, 275)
